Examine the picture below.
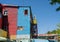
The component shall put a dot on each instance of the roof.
(9, 5)
(47, 34)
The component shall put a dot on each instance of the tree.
(55, 2)
(48, 32)
(57, 31)
(52, 32)
(58, 25)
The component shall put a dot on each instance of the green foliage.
(51, 32)
(54, 2)
(57, 31)
(58, 8)
(48, 32)
(54, 32)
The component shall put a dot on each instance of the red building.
(8, 19)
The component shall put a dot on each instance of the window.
(20, 28)
(26, 12)
(5, 12)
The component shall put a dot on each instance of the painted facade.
(24, 24)
(9, 19)
(17, 22)
(3, 33)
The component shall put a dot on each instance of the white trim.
(23, 36)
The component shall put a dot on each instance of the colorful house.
(3, 33)
(27, 25)
(23, 32)
(17, 22)
(34, 30)
(8, 19)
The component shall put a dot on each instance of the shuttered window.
(26, 12)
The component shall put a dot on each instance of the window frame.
(26, 12)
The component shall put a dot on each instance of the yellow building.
(34, 20)
(3, 33)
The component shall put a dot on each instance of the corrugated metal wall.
(12, 21)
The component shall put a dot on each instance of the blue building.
(25, 24)
(22, 28)
(23, 32)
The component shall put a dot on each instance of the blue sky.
(45, 13)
